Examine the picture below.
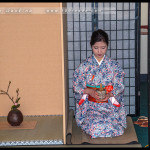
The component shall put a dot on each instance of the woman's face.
(99, 50)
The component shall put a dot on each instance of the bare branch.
(3, 92)
(8, 86)
(17, 91)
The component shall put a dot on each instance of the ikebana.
(15, 117)
(16, 105)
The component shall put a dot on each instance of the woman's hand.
(91, 92)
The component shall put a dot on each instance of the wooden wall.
(31, 57)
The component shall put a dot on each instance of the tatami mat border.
(38, 142)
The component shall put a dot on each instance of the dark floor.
(142, 132)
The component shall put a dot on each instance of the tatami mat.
(48, 129)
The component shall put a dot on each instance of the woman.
(100, 118)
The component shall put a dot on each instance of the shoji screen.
(121, 22)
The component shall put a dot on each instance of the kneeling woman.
(99, 118)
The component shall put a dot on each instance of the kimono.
(100, 119)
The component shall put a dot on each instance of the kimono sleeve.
(118, 86)
(79, 82)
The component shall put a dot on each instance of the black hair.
(98, 36)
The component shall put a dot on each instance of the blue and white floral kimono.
(100, 119)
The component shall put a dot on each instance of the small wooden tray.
(4, 125)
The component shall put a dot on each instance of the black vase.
(15, 117)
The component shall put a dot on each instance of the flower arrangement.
(15, 102)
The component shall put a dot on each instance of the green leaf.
(17, 100)
(18, 105)
(13, 107)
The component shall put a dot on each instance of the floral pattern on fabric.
(100, 119)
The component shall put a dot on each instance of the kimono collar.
(98, 61)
